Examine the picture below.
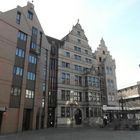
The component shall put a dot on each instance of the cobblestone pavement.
(73, 134)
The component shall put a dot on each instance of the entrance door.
(26, 119)
(78, 117)
(0, 120)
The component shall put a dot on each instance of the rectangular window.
(78, 32)
(78, 96)
(78, 68)
(62, 112)
(67, 111)
(67, 54)
(31, 76)
(77, 49)
(65, 64)
(29, 94)
(22, 36)
(15, 91)
(93, 81)
(30, 15)
(88, 60)
(20, 52)
(65, 95)
(34, 31)
(87, 112)
(79, 41)
(18, 17)
(18, 71)
(33, 45)
(86, 51)
(90, 97)
(77, 57)
(44, 87)
(65, 78)
(78, 80)
(32, 59)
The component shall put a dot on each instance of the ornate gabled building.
(107, 66)
(78, 82)
(24, 70)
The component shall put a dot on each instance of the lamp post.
(72, 103)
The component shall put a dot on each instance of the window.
(78, 96)
(15, 91)
(86, 51)
(86, 69)
(30, 15)
(77, 57)
(44, 87)
(65, 112)
(33, 45)
(18, 71)
(88, 60)
(18, 17)
(91, 112)
(62, 111)
(78, 68)
(67, 54)
(100, 59)
(65, 64)
(34, 31)
(78, 80)
(29, 94)
(90, 98)
(65, 78)
(65, 95)
(93, 81)
(77, 49)
(110, 83)
(79, 41)
(32, 59)
(20, 52)
(86, 96)
(78, 32)
(111, 72)
(43, 103)
(87, 112)
(22, 36)
(30, 76)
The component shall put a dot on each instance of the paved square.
(73, 134)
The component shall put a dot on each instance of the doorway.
(78, 117)
(27, 119)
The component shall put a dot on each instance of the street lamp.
(72, 103)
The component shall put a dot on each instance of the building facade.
(107, 67)
(46, 82)
(129, 99)
(86, 80)
(24, 69)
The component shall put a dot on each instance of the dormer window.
(18, 17)
(30, 15)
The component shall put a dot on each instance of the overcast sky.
(117, 21)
